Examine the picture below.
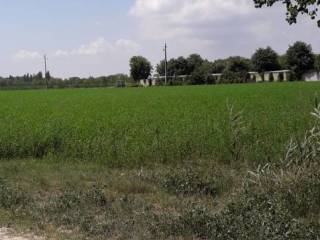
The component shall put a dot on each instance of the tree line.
(31, 81)
(299, 58)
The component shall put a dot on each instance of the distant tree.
(236, 71)
(140, 68)
(171, 68)
(48, 76)
(283, 61)
(160, 68)
(317, 63)
(265, 59)
(300, 58)
(219, 66)
(294, 8)
(194, 61)
(201, 74)
(181, 66)
(238, 64)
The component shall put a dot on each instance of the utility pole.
(45, 69)
(165, 64)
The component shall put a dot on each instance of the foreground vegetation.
(164, 163)
(135, 127)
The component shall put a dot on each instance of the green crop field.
(130, 127)
(194, 162)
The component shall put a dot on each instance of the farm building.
(272, 76)
(148, 82)
(311, 76)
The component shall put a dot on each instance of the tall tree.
(194, 61)
(201, 74)
(181, 66)
(294, 8)
(171, 67)
(236, 70)
(219, 65)
(140, 68)
(300, 58)
(317, 63)
(283, 61)
(238, 64)
(265, 59)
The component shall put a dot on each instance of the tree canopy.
(317, 63)
(238, 64)
(265, 59)
(300, 58)
(140, 68)
(181, 65)
(294, 8)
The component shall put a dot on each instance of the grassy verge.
(172, 175)
(74, 201)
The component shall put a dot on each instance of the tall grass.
(134, 127)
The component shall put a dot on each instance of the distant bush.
(234, 77)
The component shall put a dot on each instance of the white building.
(271, 76)
(312, 76)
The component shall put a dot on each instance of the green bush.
(234, 77)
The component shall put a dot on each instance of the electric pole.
(165, 64)
(45, 69)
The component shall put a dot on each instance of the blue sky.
(97, 37)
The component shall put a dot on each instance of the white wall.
(311, 76)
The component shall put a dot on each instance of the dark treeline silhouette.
(35, 81)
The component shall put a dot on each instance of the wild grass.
(139, 127)
(225, 162)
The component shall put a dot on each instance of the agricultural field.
(195, 162)
(138, 127)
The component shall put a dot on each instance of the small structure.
(312, 76)
(148, 82)
(217, 77)
(271, 76)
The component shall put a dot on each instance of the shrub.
(234, 77)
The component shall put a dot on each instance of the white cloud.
(100, 46)
(26, 55)
(218, 28)
(172, 18)
(127, 45)
(190, 11)
(93, 48)
(61, 53)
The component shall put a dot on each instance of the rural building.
(311, 76)
(271, 76)
(148, 82)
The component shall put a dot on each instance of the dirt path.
(8, 234)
